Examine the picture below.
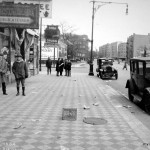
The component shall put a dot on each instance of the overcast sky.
(111, 22)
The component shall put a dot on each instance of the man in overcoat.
(3, 72)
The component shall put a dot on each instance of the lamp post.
(94, 9)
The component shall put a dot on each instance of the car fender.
(129, 83)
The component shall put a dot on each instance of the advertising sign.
(19, 16)
(49, 52)
(45, 6)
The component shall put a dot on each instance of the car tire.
(97, 75)
(147, 102)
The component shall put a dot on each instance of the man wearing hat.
(3, 71)
(20, 71)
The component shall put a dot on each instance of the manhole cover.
(95, 121)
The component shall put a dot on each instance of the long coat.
(48, 63)
(57, 66)
(20, 69)
(3, 69)
(61, 66)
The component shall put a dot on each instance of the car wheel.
(147, 102)
(130, 94)
(97, 75)
(116, 76)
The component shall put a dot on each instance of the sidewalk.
(34, 122)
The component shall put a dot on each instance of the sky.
(111, 23)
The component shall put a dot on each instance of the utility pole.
(94, 9)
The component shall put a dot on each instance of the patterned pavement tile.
(34, 122)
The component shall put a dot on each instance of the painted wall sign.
(19, 16)
(45, 6)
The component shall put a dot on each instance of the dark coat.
(61, 66)
(48, 63)
(68, 66)
(57, 66)
(20, 69)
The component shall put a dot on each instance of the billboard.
(49, 52)
(19, 16)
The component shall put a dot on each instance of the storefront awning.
(31, 32)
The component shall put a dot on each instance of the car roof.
(141, 58)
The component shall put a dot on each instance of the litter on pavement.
(96, 104)
(86, 107)
(17, 126)
(127, 106)
(63, 148)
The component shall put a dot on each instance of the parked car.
(139, 83)
(104, 68)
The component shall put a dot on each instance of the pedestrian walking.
(3, 72)
(125, 65)
(21, 72)
(48, 65)
(61, 66)
(68, 67)
(57, 67)
(65, 66)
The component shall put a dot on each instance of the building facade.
(122, 51)
(138, 46)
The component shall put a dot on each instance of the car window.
(140, 66)
(148, 67)
(133, 66)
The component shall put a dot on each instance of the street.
(34, 121)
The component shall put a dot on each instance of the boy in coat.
(21, 72)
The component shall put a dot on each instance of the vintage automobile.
(139, 83)
(104, 68)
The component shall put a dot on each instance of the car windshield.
(106, 62)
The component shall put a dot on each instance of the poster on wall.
(49, 52)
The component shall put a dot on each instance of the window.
(148, 67)
(140, 66)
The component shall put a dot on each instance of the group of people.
(61, 65)
(19, 69)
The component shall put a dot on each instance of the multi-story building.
(80, 46)
(138, 45)
(109, 50)
(114, 49)
(122, 51)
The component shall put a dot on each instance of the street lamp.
(94, 9)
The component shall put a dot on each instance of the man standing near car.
(21, 72)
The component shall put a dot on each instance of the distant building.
(114, 49)
(122, 51)
(80, 46)
(138, 45)
(109, 50)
